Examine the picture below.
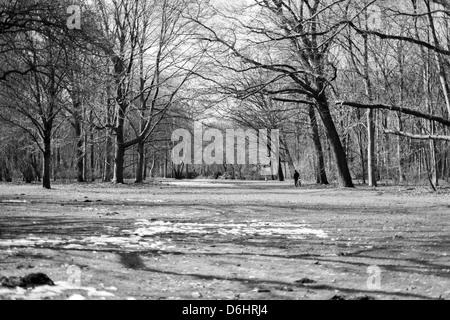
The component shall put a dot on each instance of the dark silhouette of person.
(297, 179)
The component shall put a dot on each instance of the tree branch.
(407, 111)
(417, 136)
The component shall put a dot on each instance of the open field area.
(225, 240)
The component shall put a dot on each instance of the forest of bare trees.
(358, 89)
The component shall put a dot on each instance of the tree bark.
(288, 155)
(122, 106)
(344, 176)
(80, 148)
(321, 173)
(46, 180)
(140, 162)
(372, 175)
(92, 155)
(108, 159)
(371, 149)
(280, 170)
(119, 162)
(439, 59)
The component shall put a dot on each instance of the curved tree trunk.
(344, 176)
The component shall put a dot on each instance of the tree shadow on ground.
(135, 262)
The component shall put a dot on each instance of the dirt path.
(225, 240)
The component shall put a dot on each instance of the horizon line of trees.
(358, 89)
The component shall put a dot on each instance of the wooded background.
(358, 89)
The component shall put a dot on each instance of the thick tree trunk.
(46, 180)
(140, 163)
(344, 176)
(119, 162)
(321, 173)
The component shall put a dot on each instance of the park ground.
(230, 240)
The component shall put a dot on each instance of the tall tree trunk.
(280, 170)
(108, 158)
(85, 155)
(439, 60)
(401, 174)
(91, 138)
(122, 105)
(46, 180)
(344, 176)
(140, 163)
(119, 162)
(289, 159)
(432, 166)
(371, 149)
(80, 148)
(321, 173)
(370, 119)
(119, 159)
(362, 152)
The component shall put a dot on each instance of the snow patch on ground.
(289, 230)
(147, 235)
(206, 184)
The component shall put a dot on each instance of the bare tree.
(300, 35)
(149, 46)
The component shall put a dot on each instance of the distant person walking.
(298, 183)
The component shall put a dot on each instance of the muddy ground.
(225, 240)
